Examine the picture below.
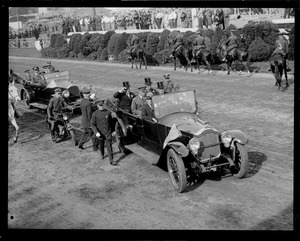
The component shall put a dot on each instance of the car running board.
(145, 154)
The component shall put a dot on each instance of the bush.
(259, 50)
(73, 40)
(77, 44)
(209, 33)
(72, 54)
(291, 52)
(52, 40)
(95, 41)
(112, 43)
(80, 56)
(143, 38)
(99, 53)
(83, 48)
(60, 41)
(159, 56)
(63, 52)
(123, 56)
(104, 54)
(249, 31)
(106, 38)
(215, 41)
(162, 40)
(121, 44)
(92, 56)
(152, 43)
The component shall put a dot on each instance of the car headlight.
(194, 145)
(226, 138)
(66, 93)
(65, 117)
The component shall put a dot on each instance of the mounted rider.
(134, 42)
(198, 44)
(282, 47)
(230, 44)
(178, 41)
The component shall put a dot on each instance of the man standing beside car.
(86, 115)
(102, 125)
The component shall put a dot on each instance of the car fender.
(29, 91)
(239, 136)
(179, 148)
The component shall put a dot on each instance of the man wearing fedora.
(230, 43)
(125, 97)
(138, 102)
(282, 47)
(86, 115)
(56, 104)
(149, 90)
(37, 78)
(102, 125)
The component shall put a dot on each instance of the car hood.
(186, 122)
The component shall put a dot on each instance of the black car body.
(183, 143)
(39, 96)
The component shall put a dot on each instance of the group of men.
(98, 122)
(38, 77)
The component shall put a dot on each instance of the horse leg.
(286, 77)
(145, 61)
(174, 63)
(131, 63)
(14, 123)
(198, 65)
(228, 67)
(135, 63)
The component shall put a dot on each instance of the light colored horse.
(13, 98)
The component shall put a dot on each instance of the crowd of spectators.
(155, 18)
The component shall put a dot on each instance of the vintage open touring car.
(180, 141)
(38, 96)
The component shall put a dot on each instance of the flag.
(173, 134)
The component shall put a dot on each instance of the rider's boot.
(287, 66)
(53, 136)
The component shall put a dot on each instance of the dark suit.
(124, 100)
(102, 122)
(147, 112)
(86, 115)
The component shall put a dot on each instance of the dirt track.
(57, 186)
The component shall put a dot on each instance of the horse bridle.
(14, 97)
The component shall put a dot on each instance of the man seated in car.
(28, 77)
(147, 111)
(125, 97)
(37, 78)
(138, 102)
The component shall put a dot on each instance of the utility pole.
(18, 19)
(94, 12)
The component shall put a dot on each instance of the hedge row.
(259, 39)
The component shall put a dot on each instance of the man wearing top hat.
(37, 78)
(49, 68)
(160, 88)
(138, 102)
(230, 43)
(149, 90)
(282, 47)
(102, 125)
(56, 104)
(86, 115)
(125, 97)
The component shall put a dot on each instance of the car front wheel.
(241, 161)
(176, 170)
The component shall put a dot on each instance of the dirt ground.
(58, 186)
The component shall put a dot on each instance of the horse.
(137, 53)
(203, 56)
(278, 66)
(13, 98)
(240, 54)
(13, 77)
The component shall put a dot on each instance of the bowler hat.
(148, 81)
(142, 89)
(36, 68)
(86, 90)
(160, 85)
(126, 84)
(26, 71)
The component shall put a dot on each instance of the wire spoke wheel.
(241, 161)
(176, 170)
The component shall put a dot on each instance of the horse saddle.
(232, 52)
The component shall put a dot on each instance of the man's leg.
(83, 138)
(101, 147)
(110, 152)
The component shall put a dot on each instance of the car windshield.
(174, 102)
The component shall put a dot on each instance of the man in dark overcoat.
(102, 125)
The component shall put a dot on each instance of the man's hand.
(154, 120)
(97, 134)
(122, 90)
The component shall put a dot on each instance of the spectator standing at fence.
(136, 18)
(209, 18)
(194, 18)
(200, 18)
(226, 12)
(159, 18)
(183, 19)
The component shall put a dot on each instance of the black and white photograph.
(151, 118)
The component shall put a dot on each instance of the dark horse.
(240, 55)
(203, 56)
(137, 53)
(278, 66)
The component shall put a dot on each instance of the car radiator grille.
(209, 145)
